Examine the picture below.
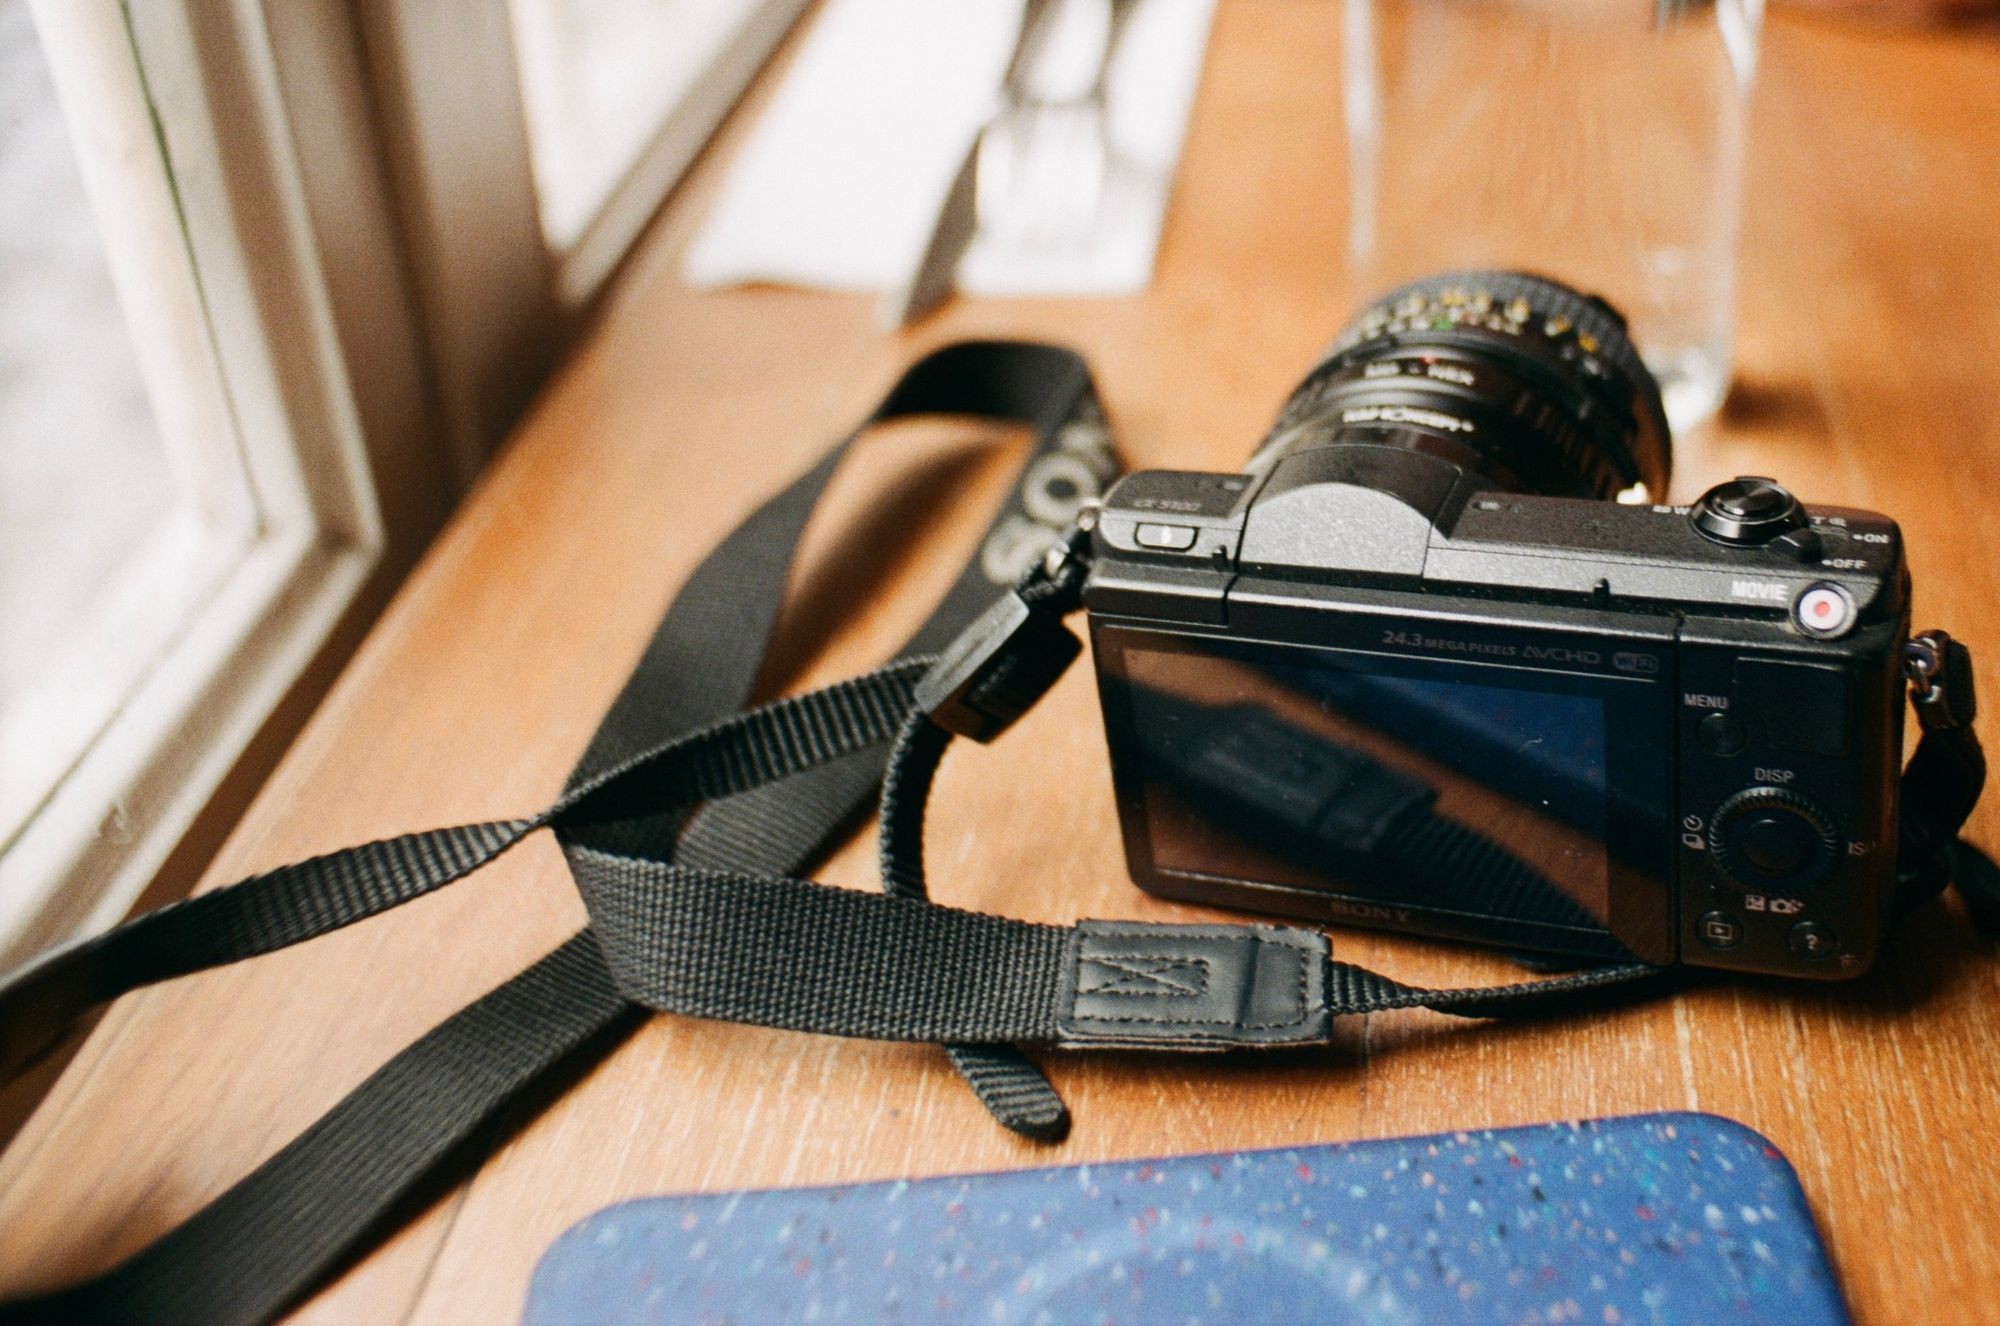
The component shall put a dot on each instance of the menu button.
(1721, 734)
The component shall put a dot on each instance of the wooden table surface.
(1869, 372)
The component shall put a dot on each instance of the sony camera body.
(1373, 680)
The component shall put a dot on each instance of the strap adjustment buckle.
(997, 668)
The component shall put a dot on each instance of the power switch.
(1803, 707)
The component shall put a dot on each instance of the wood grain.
(1869, 363)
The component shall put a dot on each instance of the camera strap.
(682, 827)
(800, 772)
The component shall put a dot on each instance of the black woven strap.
(327, 1195)
(633, 792)
(1006, 1081)
(794, 954)
(40, 1001)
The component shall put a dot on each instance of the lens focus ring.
(1577, 413)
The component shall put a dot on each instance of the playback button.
(1720, 930)
(1823, 610)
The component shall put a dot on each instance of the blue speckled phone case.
(1655, 1219)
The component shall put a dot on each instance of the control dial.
(1747, 512)
(1772, 838)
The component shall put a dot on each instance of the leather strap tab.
(1145, 986)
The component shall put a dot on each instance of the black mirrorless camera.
(1412, 668)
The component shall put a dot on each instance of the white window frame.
(583, 266)
(262, 352)
(457, 139)
(327, 166)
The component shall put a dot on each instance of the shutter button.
(1748, 511)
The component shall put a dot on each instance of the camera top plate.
(1370, 517)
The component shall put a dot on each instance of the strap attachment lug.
(1008, 659)
(997, 668)
(1939, 669)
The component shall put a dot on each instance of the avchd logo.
(1560, 654)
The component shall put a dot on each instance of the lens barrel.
(1530, 384)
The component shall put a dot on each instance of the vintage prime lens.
(1528, 383)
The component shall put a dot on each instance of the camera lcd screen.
(1384, 791)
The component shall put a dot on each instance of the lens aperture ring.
(1570, 350)
(1514, 303)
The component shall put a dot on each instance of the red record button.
(1823, 610)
